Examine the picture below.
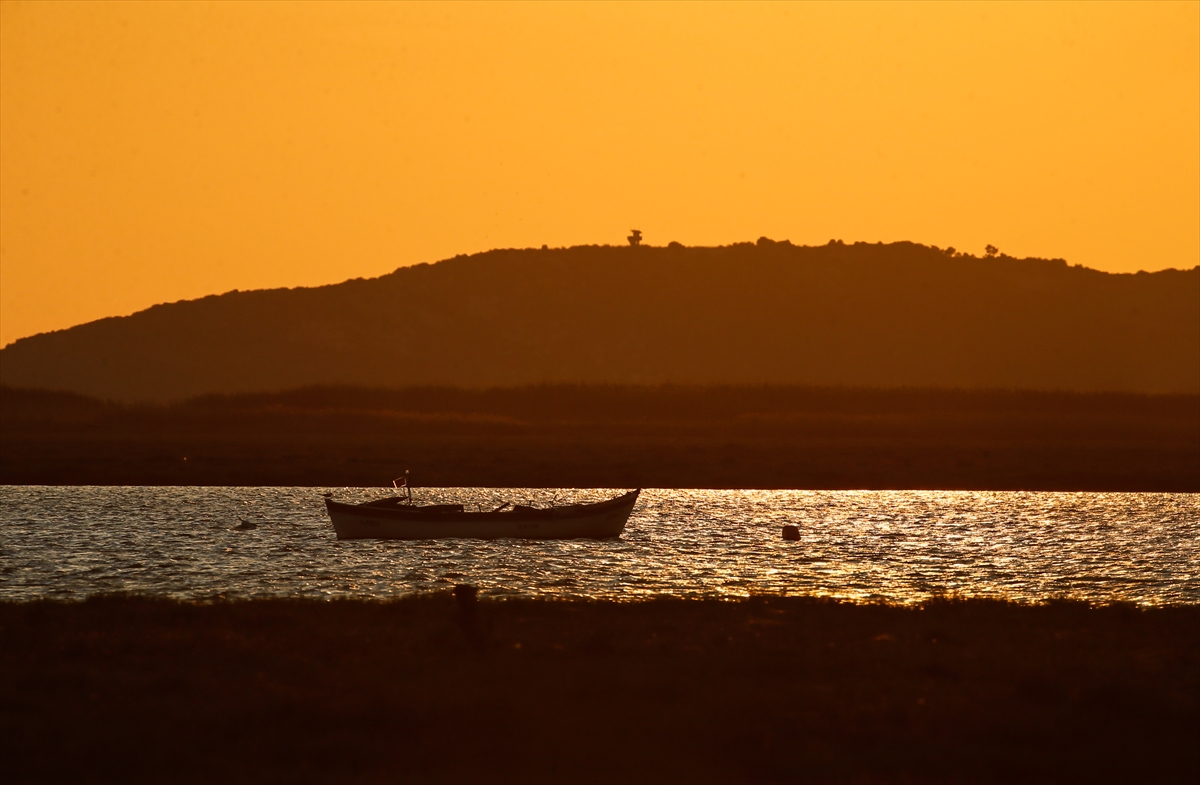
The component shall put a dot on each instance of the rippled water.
(899, 545)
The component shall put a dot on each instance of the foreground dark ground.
(616, 437)
(430, 689)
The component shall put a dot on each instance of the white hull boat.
(396, 518)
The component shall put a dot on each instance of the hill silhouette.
(870, 315)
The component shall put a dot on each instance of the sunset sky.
(152, 152)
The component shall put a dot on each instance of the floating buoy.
(791, 532)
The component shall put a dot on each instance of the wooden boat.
(397, 518)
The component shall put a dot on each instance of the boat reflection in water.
(397, 518)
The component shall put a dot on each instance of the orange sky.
(154, 152)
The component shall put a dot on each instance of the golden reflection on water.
(900, 546)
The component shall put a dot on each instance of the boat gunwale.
(406, 513)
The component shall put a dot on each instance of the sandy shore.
(431, 689)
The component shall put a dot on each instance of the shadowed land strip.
(613, 436)
(760, 690)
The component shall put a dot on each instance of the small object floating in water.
(791, 532)
(245, 524)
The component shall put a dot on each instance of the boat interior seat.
(387, 501)
(401, 501)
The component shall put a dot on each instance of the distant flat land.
(613, 436)
(129, 690)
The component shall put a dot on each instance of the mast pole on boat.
(403, 483)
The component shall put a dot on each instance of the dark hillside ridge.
(863, 315)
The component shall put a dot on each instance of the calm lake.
(70, 542)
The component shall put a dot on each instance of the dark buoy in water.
(245, 524)
(791, 532)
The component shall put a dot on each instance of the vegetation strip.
(454, 688)
(613, 436)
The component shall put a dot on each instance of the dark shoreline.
(429, 688)
(613, 437)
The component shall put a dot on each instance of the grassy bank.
(619, 437)
(434, 689)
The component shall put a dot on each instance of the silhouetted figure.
(245, 524)
(464, 597)
(635, 239)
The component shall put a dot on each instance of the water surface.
(70, 542)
